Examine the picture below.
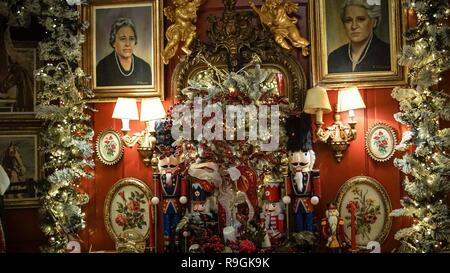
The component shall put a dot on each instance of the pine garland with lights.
(422, 106)
(67, 134)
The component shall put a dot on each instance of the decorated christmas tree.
(423, 106)
(243, 154)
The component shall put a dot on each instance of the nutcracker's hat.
(198, 194)
(163, 132)
(272, 192)
(331, 205)
(298, 131)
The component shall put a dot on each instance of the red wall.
(380, 108)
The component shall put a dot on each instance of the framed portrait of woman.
(357, 41)
(122, 49)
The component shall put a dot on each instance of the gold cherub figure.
(274, 14)
(184, 16)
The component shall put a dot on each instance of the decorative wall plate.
(109, 146)
(128, 207)
(372, 209)
(380, 142)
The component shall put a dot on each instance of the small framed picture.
(21, 159)
(18, 90)
(109, 146)
(380, 142)
(128, 207)
(372, 208)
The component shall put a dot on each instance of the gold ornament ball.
(59, 207)
(47, 230)
(75, 151)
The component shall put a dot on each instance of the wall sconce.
(338, 136)
(151, 110)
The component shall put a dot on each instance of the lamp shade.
(152, 109)
(126, 108)
(349, 99)
(317, 99)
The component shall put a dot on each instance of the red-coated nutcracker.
(302, 182)
(171, 187)
(272, 216)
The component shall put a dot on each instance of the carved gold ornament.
(183, 14)
(275, 14)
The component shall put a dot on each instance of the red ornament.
(247, 246)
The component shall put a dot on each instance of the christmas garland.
(67, 134)
(219, 89)
(422, 106)
(250, 86)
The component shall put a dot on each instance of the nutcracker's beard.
(333, 220)
(298, 178)
(169, 179)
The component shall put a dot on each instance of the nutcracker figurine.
(302, 181)
(205, 180)
(200, 204)
(171, 186)
(272, 216)
(333, 229)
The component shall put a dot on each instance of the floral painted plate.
(109, 146)
(380, 142)
(128, 207)
(372, 203)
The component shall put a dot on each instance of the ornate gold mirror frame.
(232, 41)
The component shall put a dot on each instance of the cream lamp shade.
(126, 110)
(317, 102)
(317, 98)
(152, 110)
(349, 99)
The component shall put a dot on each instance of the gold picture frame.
(128, 206)
(330, 47)
(373, 206)
(22, 159)
(109, 146)
(380, 141)
(99, 52)
(19, 87)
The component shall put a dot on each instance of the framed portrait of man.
(21, 160)
(357, 42)
(122, 51)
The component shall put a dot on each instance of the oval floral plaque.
(128, 207)
(380, 142)
(109, 146)
(372, 203)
